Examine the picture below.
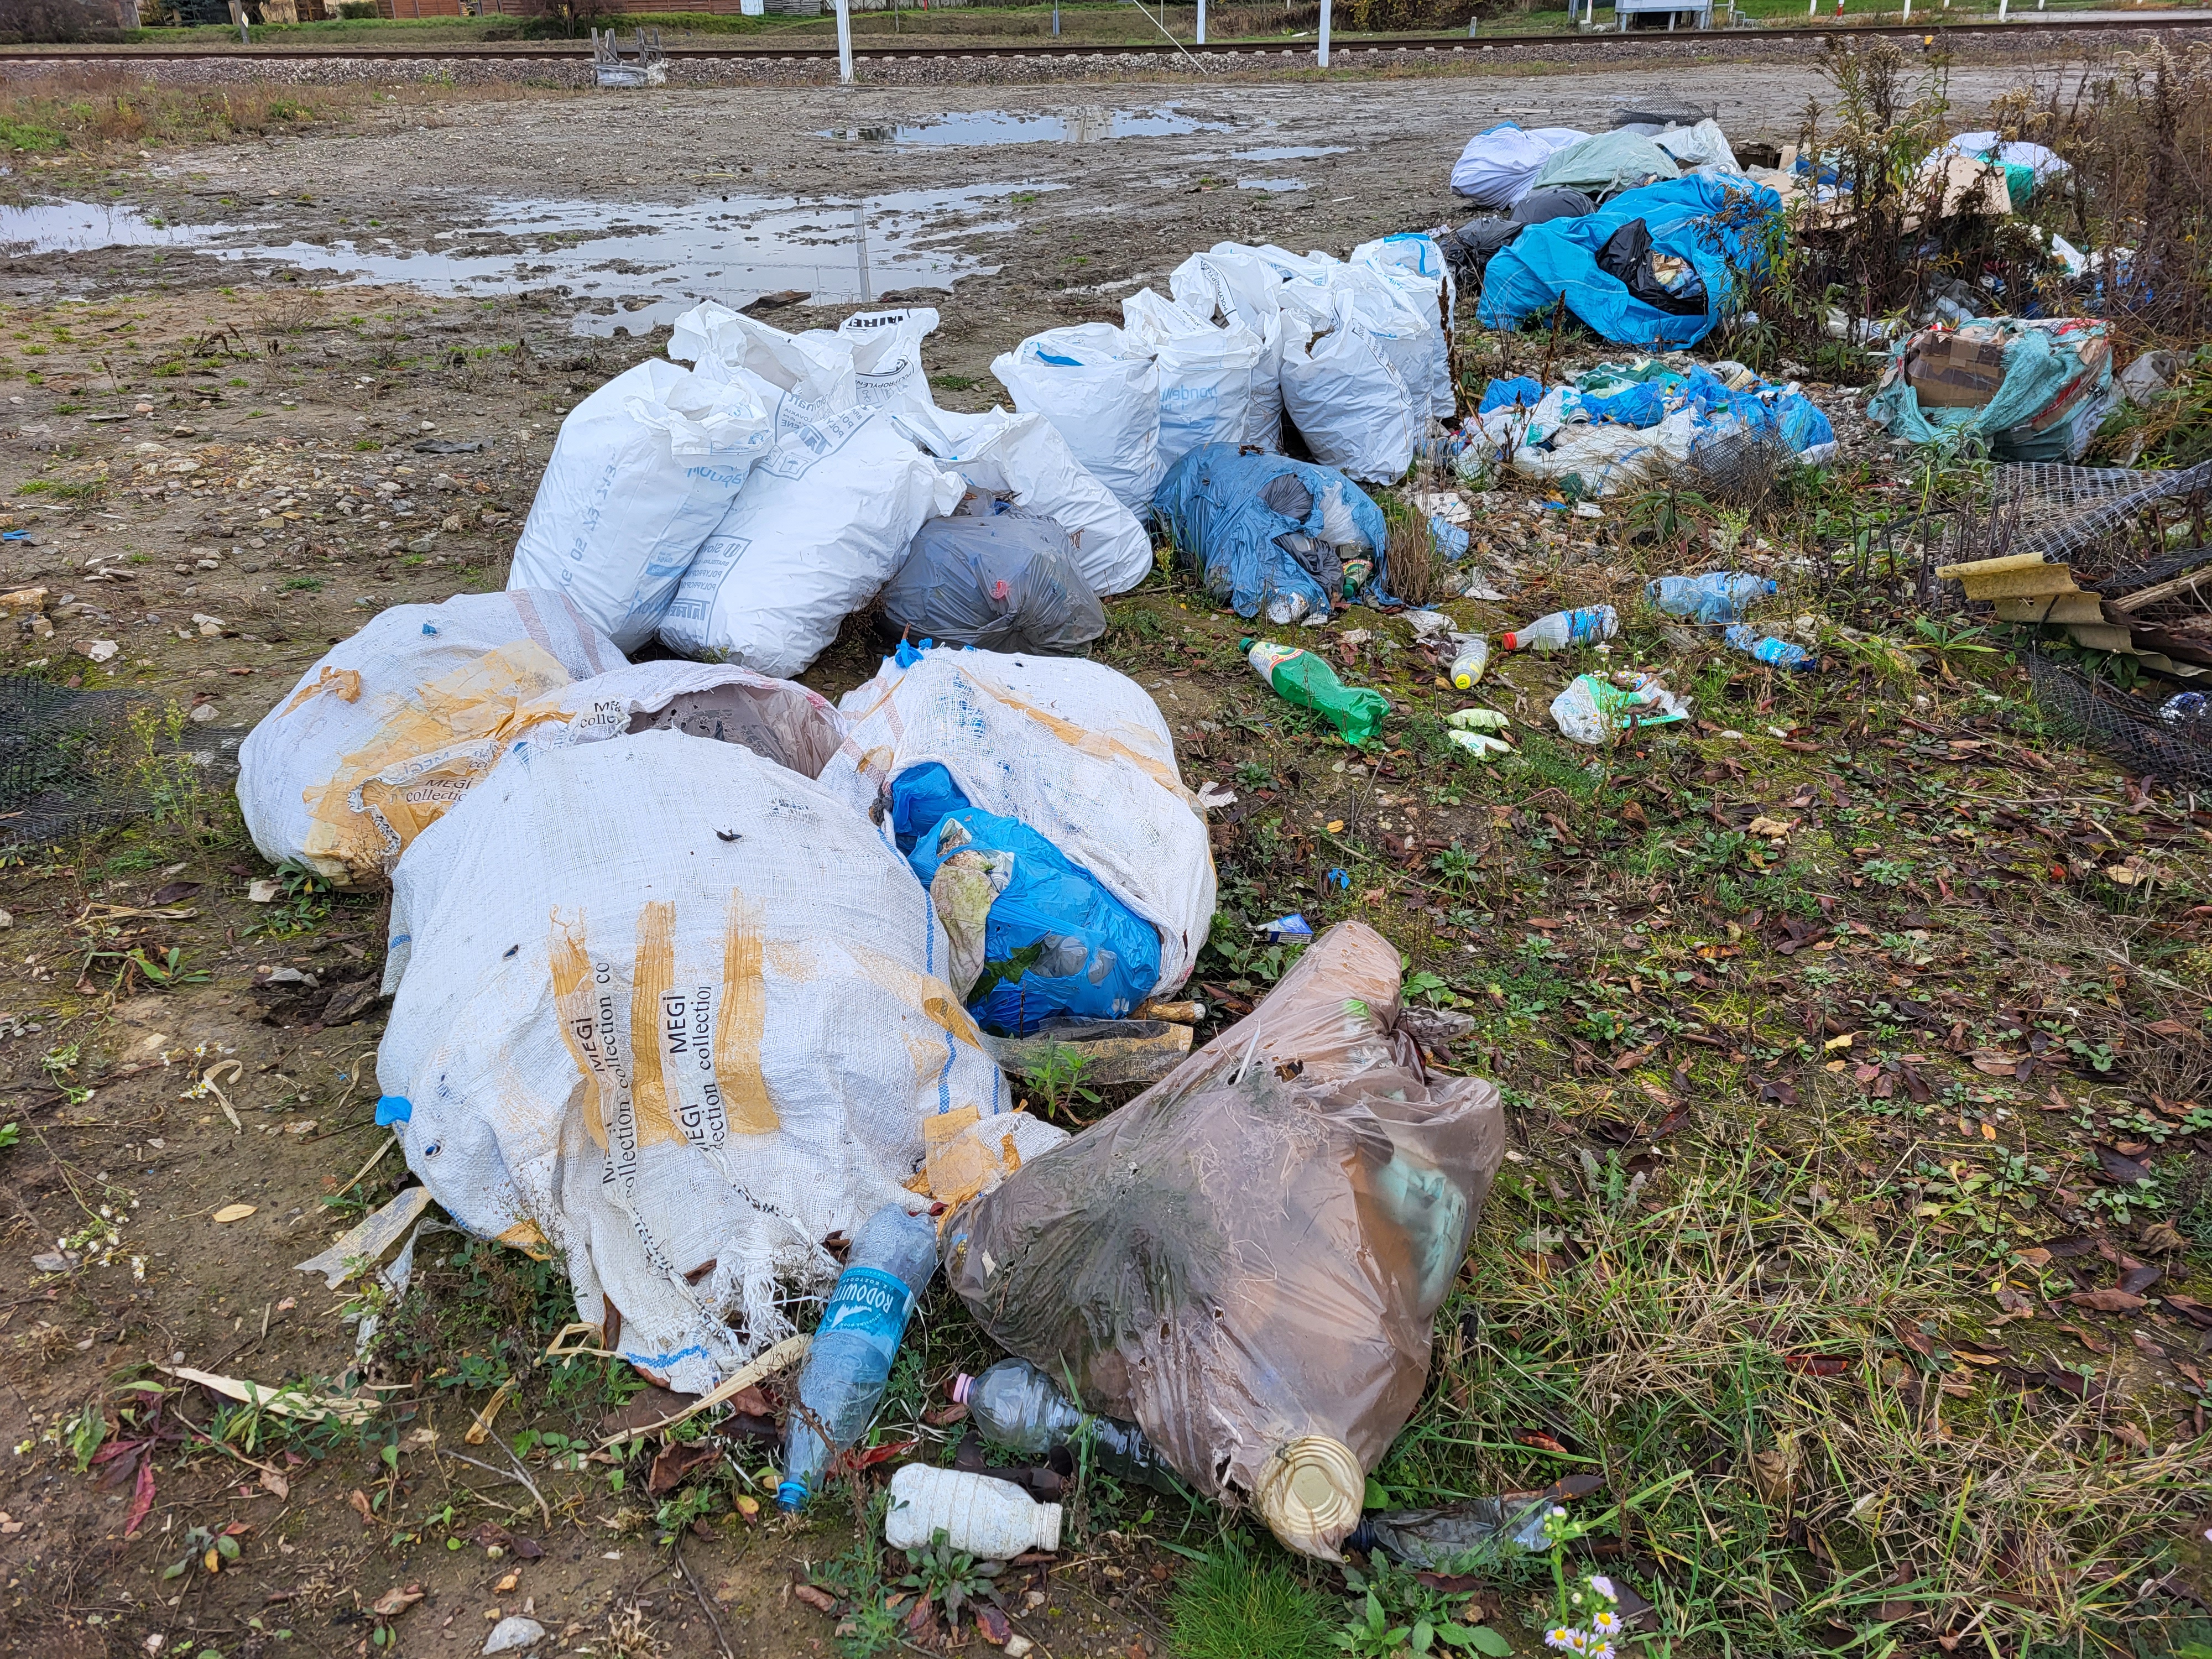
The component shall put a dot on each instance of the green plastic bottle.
(1299, 677)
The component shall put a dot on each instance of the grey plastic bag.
(1005, 581)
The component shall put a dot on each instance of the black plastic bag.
(1627, 255)
(1004, 582)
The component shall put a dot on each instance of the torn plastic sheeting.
(1717, 226)
(1496, 166)
(1075, 751)
(778, 720)
(1245, 1260)
(364, 1245)
(673, 1013)
(1607, 163)
(1005, 581)
(417, 680)
(1271, 534)
(2056, 386)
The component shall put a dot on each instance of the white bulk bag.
(1101, 391)
(417, 680)
(1346, 395)
(643, 469)
(677, 1015)
(799, 378)
(1704, 145)
(823, 523)
(1213, 381)
(1073, 749)
(778, 720)
(1495, 169)
(1230, 284)
(887, 357)
(1412, 266)
(1023, 457)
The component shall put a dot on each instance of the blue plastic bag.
(1523, 391)
(1055, 942)
(1254, 524)
(1719, 225)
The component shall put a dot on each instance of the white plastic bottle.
(1565, 628)
(992, 1519)
(1472, 658)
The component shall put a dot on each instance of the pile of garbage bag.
(1245, 1261)
(1622, 426)
(1273, 537)
(2023, 389)
(1657, 267)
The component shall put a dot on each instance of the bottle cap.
(1511, 641)
(959, 1388)
(790, 1496)
(1310, 1494)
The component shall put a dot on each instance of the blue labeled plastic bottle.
(1775, 653)
(1719, 596)
(850, 1361)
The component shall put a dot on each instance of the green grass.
(303, 585)
(1236, 1604)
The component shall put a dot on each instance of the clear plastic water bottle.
(850, 1360)
(1015, 1405)
(1720, 596)
(1562, 629)
(1775, 653)
(1472, 658)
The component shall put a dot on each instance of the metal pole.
(1201, 22)
(844, 42)
(1056, 19)
(2003, 7)
(860, 236)
(1324, 34)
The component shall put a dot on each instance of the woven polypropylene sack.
(778, 720)
(1101, 391)
(1076, 752)
(643, 471)
(819, 527)
(1218, 385)
(417, 680)
(800, 379)
(673, 1013)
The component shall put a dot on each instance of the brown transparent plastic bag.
(1246, 1260)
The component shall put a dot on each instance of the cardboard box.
(1951, 371)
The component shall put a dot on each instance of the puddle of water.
(1277, 185)
(83, 226)
(1289, 153)
(992, 126)
(636, 267)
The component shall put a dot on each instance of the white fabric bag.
(1101, 391)
(1495, 169)
(1024, 458)
(1073, 749)
(1412, 267)
(824, 520)
(417, 680)
(1213, 381)
(673, 1013)
(887, 370)
(642, 471)
(778, 720)
(1230, 284)
(1346, 395)
(799, 378)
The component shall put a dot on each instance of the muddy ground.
(239, 463)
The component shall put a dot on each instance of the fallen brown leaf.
(2106, 1300)
(396, 1601)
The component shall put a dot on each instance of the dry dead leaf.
(395, 1600)
(231, 1212)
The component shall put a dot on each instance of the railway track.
(562, 50)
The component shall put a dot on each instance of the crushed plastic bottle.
(850, 1360)
(1719, 596)
(1774, 654)
(2186, 708)
(1015, 1405)
(1473, 656)
(978, 1516)
(1432, 1539)
(1298, 676)
(1562, 629)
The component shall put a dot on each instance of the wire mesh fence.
(72, 761)
(2125, 729)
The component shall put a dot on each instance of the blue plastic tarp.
(1719, 224)
(1265, 528)
(1055, 942)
